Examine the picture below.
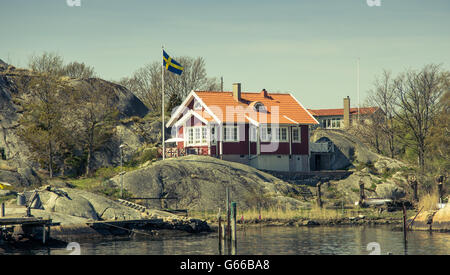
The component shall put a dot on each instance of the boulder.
(86, 205)
(199, 183)
(423, 221)
(390, 191)
(348, 188)
(441, 220)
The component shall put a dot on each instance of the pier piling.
(404, 223)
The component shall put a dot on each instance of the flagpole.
(357, 86)
(162, 111)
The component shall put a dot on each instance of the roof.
(340, 112)
(281, 108)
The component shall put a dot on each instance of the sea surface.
(347, 240)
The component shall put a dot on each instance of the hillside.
(16, 154)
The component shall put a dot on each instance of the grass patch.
(429, 201)
(282, 214)
(100, 186)
(110, 172)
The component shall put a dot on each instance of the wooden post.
(3, 210)
(220, 234)
(319, 195)
(233, 228)
(228, 215)
(44, 234)
(233, 223)
(404, 222)
(362, 196)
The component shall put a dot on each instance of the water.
(277, 241)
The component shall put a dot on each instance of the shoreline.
(356, 221)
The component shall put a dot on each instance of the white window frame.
(253, 133)
(204, 135)
(299, 129)
(190, 136)
(277, 134)
(213, 134)
(225, 135)
(196, 136)
(274, 135)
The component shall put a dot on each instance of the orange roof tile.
(340, 112)
(281, 108)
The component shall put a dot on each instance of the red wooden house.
(266, 131)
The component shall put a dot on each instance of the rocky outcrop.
(349, 151)
(73, 206)
(441, 220)
(390, 191)
(16, 151)
(18, 176)
(435, 220)
(199, 183)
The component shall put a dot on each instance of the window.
(283, 135)
(197, 135)
(331, 123)
(213, 135)
(265, 133)
(197, 105)
(190, 136)
(204, 134)
(296, 134)
(259, 107)
(274, 134)
(253, 137)
(230, 133)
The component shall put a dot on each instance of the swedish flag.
(171, 65)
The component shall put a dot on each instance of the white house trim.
(304, 108)
(254, 122)
(187, 116)
(188, 98)
(295, 122)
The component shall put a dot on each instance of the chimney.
(347, 112)
(237, 91)
(264, 93)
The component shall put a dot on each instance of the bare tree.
(48, 62)
(78, 70)
(95, 112)
(42, 127)
(418, 95)
(146, 82)
(383, 96)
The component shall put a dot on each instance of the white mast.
(357, 85)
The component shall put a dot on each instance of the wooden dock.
(31, 226)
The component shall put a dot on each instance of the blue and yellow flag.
(171, 65)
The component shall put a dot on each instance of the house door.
(317, 163)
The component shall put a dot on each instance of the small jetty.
(32, 227)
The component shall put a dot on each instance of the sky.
(309, 48)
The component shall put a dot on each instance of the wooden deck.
(26, 221)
